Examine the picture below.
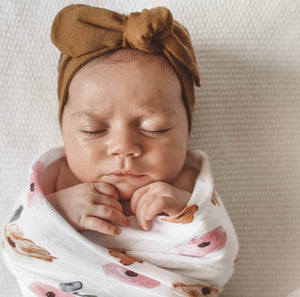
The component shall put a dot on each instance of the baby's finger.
(107, 189)
(156, 205)
(107, 200)
(142, 209)
(95, 224)
(136, 197)
(110, 214)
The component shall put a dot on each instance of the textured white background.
(247, 119)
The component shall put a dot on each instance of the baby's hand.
(149, 201)
(90, 206)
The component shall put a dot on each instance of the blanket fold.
(191, 254)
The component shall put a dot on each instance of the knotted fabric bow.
(83, 33)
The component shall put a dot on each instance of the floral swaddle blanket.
(191, 254)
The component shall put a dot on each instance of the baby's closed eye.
(155, 132)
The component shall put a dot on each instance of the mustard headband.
(83, 33)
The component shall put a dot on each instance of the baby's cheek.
(169, 166)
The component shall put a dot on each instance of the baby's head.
(125, 113)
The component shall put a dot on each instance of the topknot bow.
(81, 29)
(145, 30)
(83, 33)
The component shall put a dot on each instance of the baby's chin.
(126, 190)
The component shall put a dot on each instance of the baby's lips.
(41, 290)
(206, 244)
(128, 276)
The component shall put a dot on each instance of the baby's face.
(125, 124)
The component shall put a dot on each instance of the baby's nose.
(124, 143)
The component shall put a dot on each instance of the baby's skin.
(125, 130)
(97, 206)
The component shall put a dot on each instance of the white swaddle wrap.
(191, 254)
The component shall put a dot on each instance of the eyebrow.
(86, 113)
(94, 114)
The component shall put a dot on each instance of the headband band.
(83, 33)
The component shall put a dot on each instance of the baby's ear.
(188, 151)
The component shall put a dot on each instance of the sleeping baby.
(125, 208)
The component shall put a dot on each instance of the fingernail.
(126, 222)
(147, 225)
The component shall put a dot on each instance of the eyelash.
(156, 132)
(147, 132)
(93, 133)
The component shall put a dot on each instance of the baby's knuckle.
(161, 187)
(82, 204)
(81, 221)
(111, 189)
(162, 203)
(99, 186)
(88, 187)
(86, 201)
(108, 211)
(161, 184)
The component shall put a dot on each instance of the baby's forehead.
(152, 91)
(123, 56)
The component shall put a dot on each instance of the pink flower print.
(42, 290)
(205, 244)
(128, 276)
(35, 194)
